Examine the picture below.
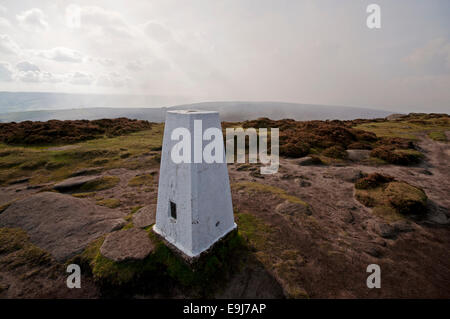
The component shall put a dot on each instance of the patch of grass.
(141, 180)
(60, 164)
(109, 202)
(438, 136)
(84, 195)
(264, 188)
(101, 183)
(254, 230)
(410, 126)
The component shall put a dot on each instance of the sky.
(305, 51)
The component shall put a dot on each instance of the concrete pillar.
(194, 199)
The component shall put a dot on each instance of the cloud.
(135, 66)
(157, 32)
(6, 74)
(27, 66)
(4, 23)
(103, 61)
(3, 9)
(434, 57)
(61, 54)
(33, 20)
(113, 79)
(80, 78)
(39, 77)
(7, 45)
(97, 20)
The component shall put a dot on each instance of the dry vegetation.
(65, 132)
(391, 141)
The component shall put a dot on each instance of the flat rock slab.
(350, 175)
(305, 161)
(128, 244)
(61, 224)
(358, 155)
(145, 216)
(74, 183)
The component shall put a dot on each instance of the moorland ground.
(347, 194)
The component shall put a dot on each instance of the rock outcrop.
(60, 224)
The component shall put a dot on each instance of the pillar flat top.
(191, 112)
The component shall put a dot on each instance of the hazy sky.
(307, 51)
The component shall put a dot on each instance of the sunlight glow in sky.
(306, 51)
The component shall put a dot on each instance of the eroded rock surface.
(60, 224)
(128, 244)
(145, 216)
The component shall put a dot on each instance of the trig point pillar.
(194, 198)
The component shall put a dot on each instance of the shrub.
(406, 198)
(335, 152)
(296, 150)
(372, 181)
(397, 156)
(64, 132)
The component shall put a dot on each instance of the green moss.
(128, 225)
(264, 188)
(141, 180)
(84, 195)
(101, 183)
(438, 136)
(16, 242)
(17, 160)
(392, 199)
(109, 202)
(254, 230)
(162, 263)
(406, 198)
(136, 208)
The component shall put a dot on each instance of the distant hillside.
(239, 111)
(229, 111)
(34, 101)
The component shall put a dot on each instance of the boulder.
(60, 224)
(145, 216)
(358, 155)
(74, 183)
(386, 231)
(348, 174)
(127, 244)
(305, 161)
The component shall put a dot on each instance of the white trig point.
(194, 198)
